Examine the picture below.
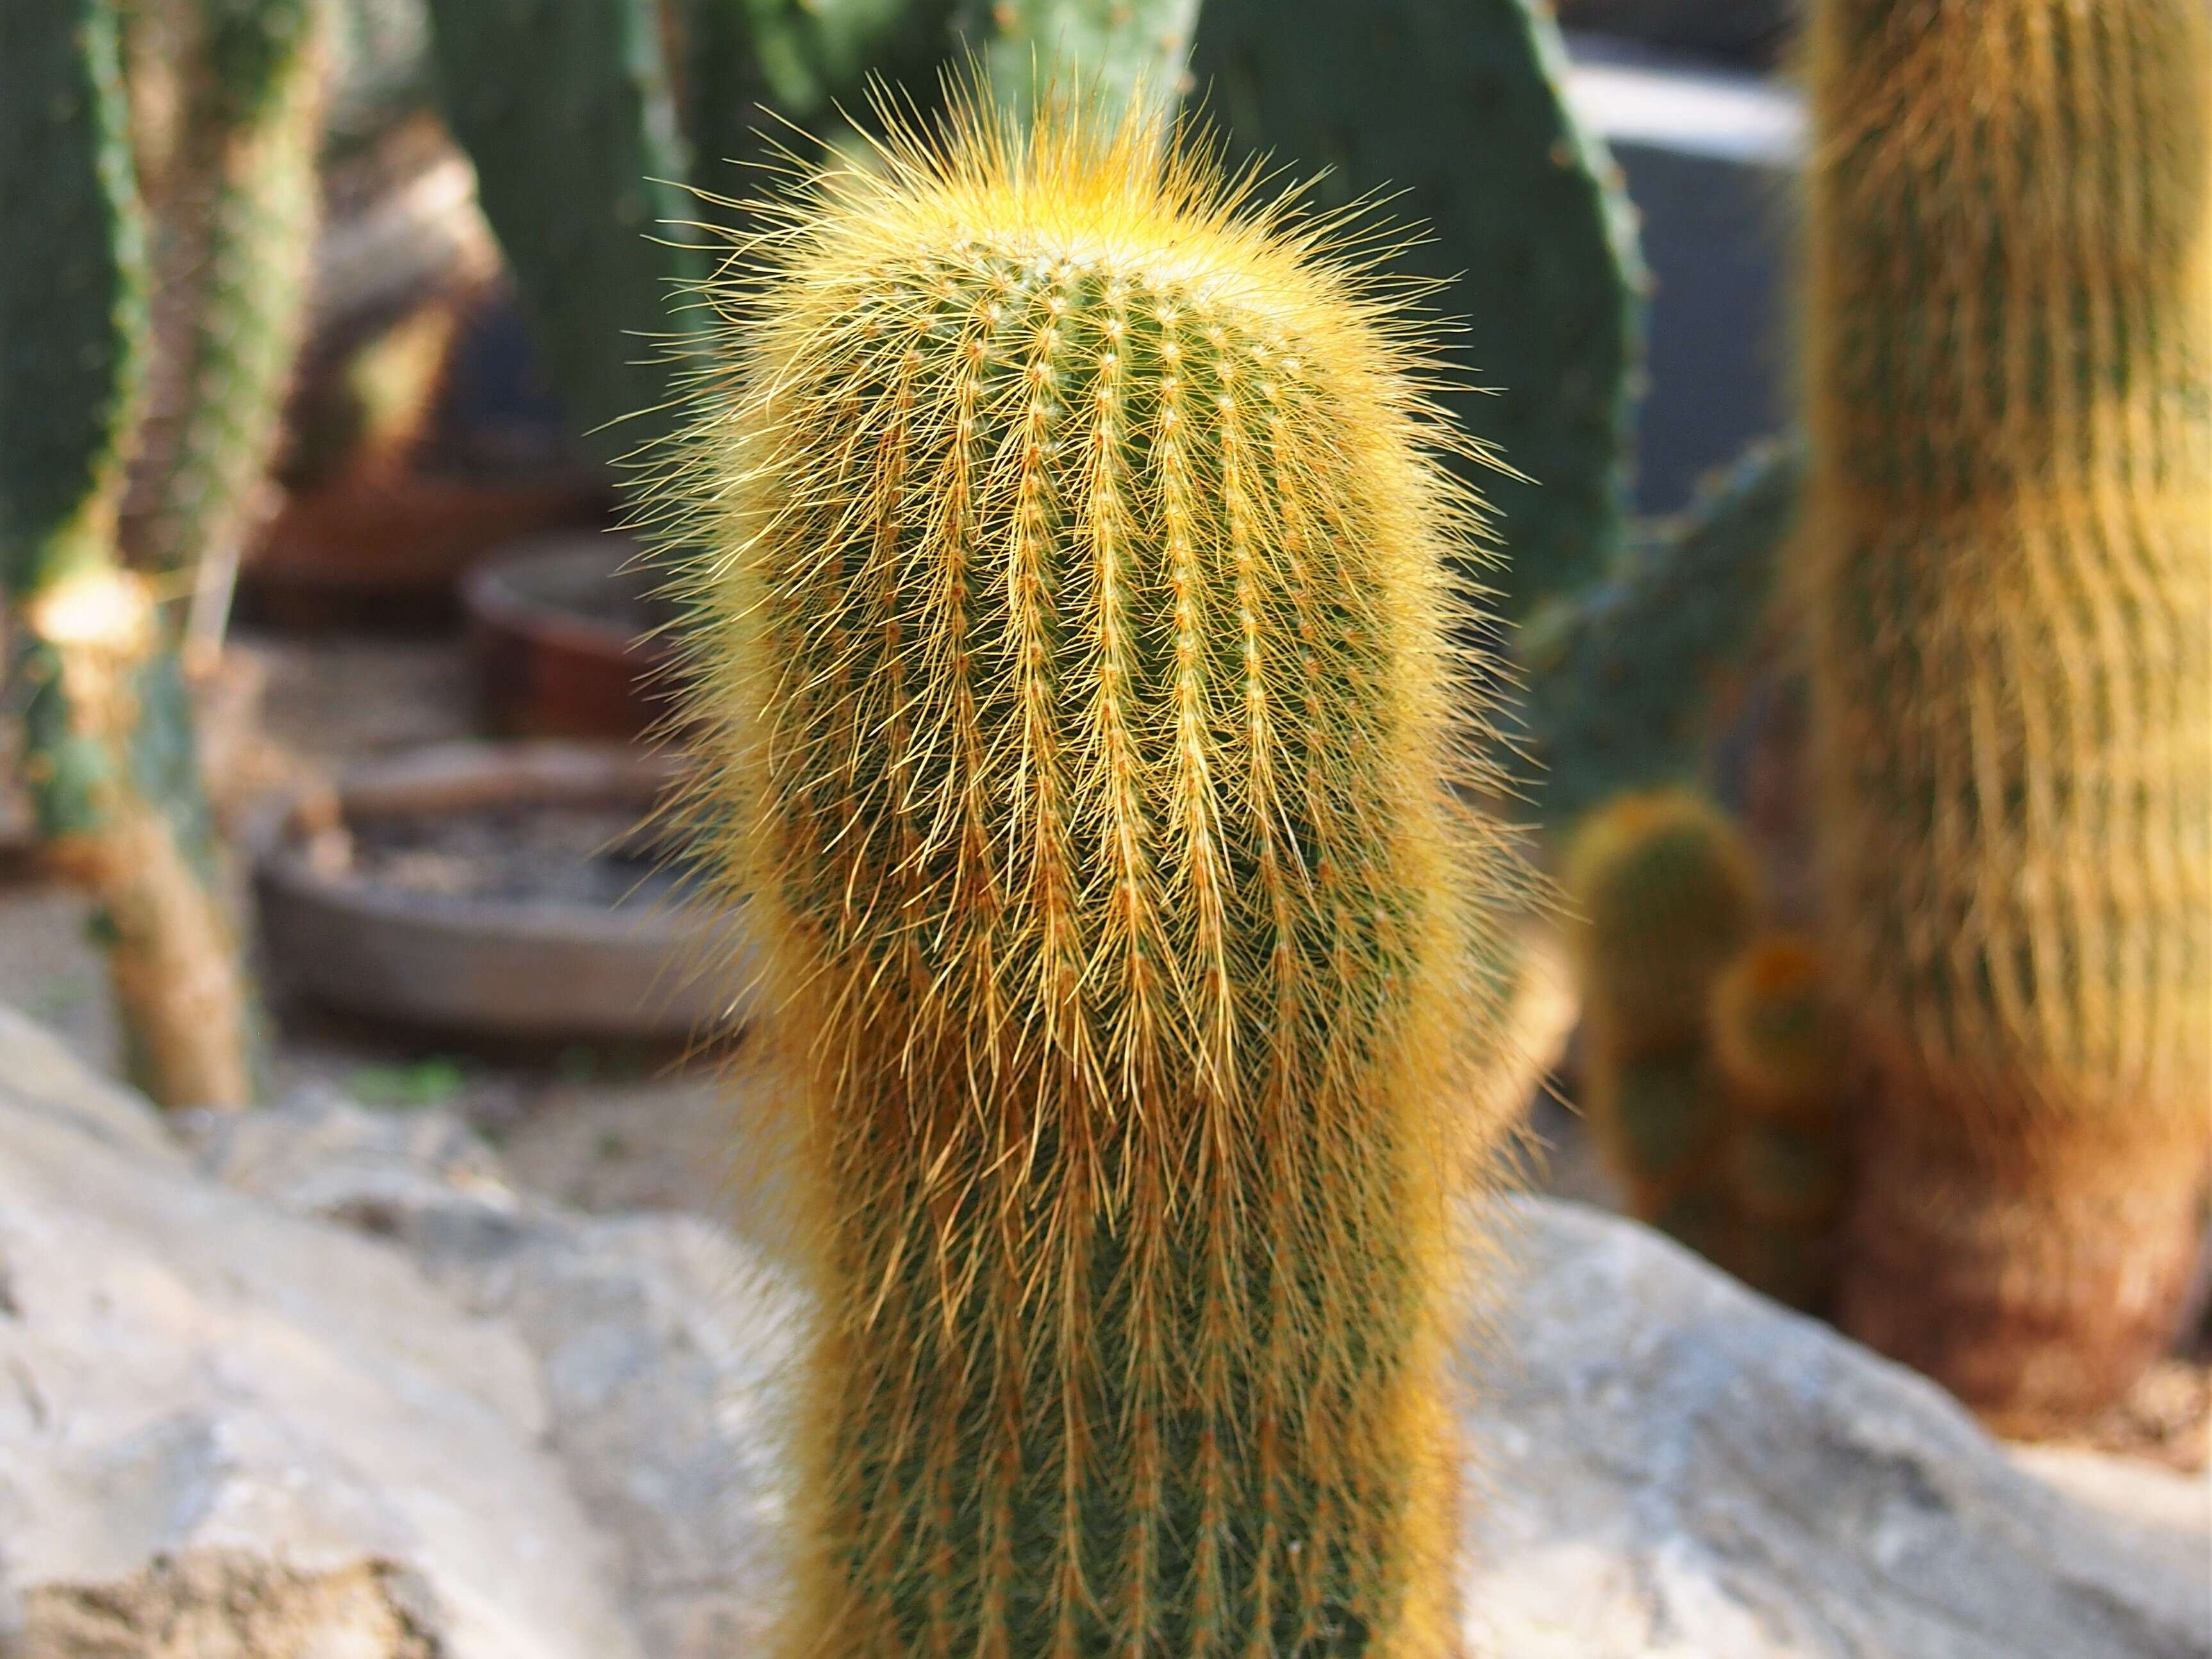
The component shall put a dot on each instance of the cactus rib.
(2009, 555)
(1071, 653)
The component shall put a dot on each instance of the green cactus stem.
(1071, 670)
(233, 244)
(109, 753)
(1107, 51)
(1664, 895)
(568, 110)
(1625, 678)
(1711, 1059)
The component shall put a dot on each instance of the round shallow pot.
(388, 546)
(563, 637)
(500, 890)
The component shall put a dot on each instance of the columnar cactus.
(1072, 668)
(1663, 897)
(2009, 589)
(1782, 1062)
(234, 222)
(1109, 50)
(109, 756)
(568, 110)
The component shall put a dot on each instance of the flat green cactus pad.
(1460, 106)
(568, 110)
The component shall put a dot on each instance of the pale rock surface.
(657, 1337)
(1679, 1467)
(226, 1432)
(1672, 1467)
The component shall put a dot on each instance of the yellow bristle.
(1079, 721)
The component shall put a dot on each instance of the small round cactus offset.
(1072, 662)
(2008, 577)
(1716, 1075)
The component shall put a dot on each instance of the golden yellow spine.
(1080, 725)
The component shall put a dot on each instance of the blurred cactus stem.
(1715, 1074)
(2008, 584)
(234, 213)
(1664, 895)
(1625, 675)
(109, 756)
(568, 110)
(1782, 1058)
(1072, 658)
(1112, 51)
(1456, 111)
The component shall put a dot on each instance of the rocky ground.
(493, 1337)
(321, 1380)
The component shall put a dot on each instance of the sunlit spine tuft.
(1077, 719)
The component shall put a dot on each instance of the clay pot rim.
(546, 970)
(491, 596)
(447, 777)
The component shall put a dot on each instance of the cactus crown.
(1073, 676)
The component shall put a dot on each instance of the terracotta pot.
(384, 547)
(562, 633)
(482, 959)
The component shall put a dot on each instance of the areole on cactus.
(1073, 671)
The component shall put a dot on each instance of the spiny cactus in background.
(1783, 1070)
(1714, 1073)
(609, 138)
(2008, 583)
(109, 756)
(1462, 106)
(1776, 1035)
(1624, 676)
(1072, 669)
(234, 220)
(1663, 897)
